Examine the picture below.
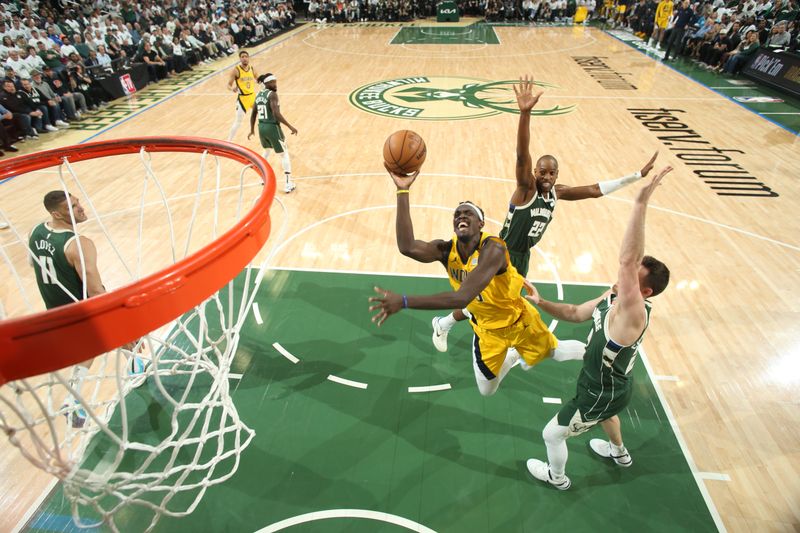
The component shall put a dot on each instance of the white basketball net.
(154, 437)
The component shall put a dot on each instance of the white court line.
(235, 376)
(284, 352)
(713, 223)
(346, 513)
(257, 314)
(551, 400)
(430, 388)
(35, 505)
(665, 378)
(712, 509)
(779, 113)
(742, 88)
(713, 476)
(348, 382)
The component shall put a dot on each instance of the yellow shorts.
(662, 23)
(246, 101)
(529, 335)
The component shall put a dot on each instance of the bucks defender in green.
(619, 320)
(65, 265)
(267, 110)
(533, 202)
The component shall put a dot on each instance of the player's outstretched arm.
(526, 100)
(232, 82)
(603, 188)
(564, 311)
(491, 260)
(629, 316)
(422, 251)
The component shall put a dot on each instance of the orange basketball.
(404, 151)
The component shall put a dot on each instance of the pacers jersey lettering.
(245, 80)
(525, 224)
(499, 304)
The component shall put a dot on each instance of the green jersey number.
(47, 268)
(537, 228)
(262, 112)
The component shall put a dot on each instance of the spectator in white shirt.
(67, 48)
(103, 59)
(17, 63)
(33, 60)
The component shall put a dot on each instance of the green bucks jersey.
(263, 109)
(58, 281)
(606, 364)
(525, 224)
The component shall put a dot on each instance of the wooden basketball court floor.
(713, 427)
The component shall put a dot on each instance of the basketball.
(404, 151)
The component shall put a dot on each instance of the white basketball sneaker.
(76, 416)
(603, 449)
(439, 335)
(541, 471)
(290, 186)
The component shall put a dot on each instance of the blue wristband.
(405, 302)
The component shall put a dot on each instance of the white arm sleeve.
(607, 187)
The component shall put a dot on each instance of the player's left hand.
(249, 135)
(650, 164)
(293, 130)
(388, 303)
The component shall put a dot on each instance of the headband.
(269, 78)
(474, 207)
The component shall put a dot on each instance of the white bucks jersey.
(525, 224)
(606, 362)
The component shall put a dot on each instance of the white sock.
(489, 387)
(555, 439)
(447, 322)
(617, 450)
(286, 163)
(568, 351)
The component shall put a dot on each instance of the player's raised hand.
(388, 303)
(402, 181)
(647, 191)
(526, 95)
(649, 166)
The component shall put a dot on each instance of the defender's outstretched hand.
(647, 191)
(649, 166)
(526, 95)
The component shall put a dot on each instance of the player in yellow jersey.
(663, 14)
(242, 81)
(483, 280)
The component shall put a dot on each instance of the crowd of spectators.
(716, 35)
(54, 52)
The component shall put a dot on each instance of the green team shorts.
(271, 136)
(593, 404)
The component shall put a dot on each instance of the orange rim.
(54, 339)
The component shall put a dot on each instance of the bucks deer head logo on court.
(445, 98)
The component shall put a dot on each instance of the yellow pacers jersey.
(246, 81)
(663, 13)
(500, 304)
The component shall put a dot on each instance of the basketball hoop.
(182, 317)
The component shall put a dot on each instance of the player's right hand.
(526, 97)
(402, 181)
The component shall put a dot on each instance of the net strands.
(151, 423)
